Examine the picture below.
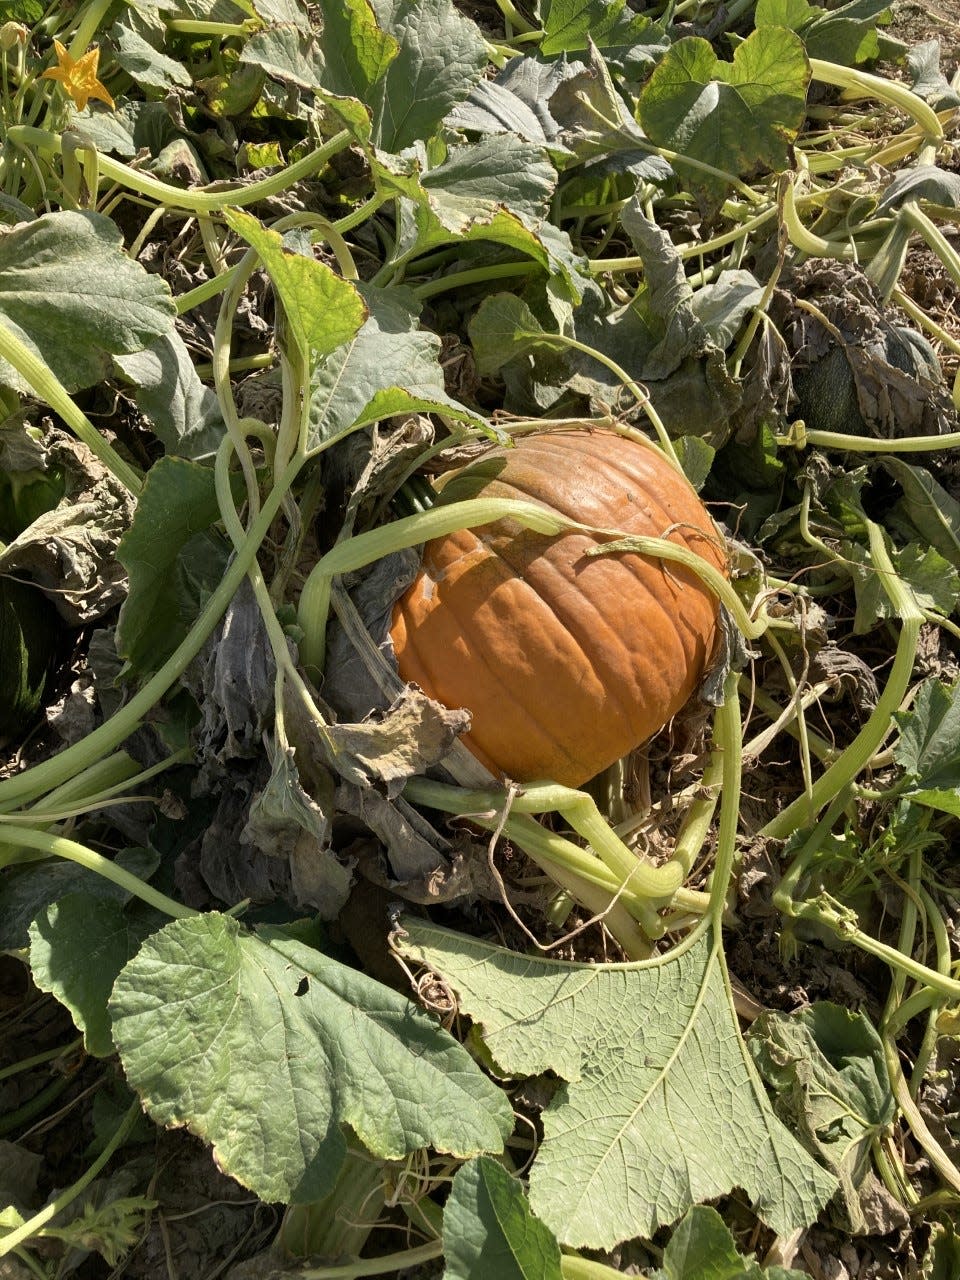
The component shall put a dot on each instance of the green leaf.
(208, 1017)
(942, 1258)
(389, 366)
(184, 414)
(827, 1068)
(662, 1106)
(356, 51)
(441, 57)
(27, 891)
(502, 328)
(476, 180)
(927, 508)
(934, 582)
(28, 640)
(322, 309)
(286, 54)
(77, 947)
(736, 116)
(570, 25)
(150, 68)
(929, 745)
(702, 1248)
(489, 1232)
(170, 560)
(74, 298)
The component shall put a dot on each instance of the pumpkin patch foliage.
(479, 653)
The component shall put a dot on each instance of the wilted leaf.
(408, 738)
(922, 182)
(829, 1076)
(209, 1018)
(69, 552)
(653, 1062)
(489, 1232)
(74, 298)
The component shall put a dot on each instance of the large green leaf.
(266, 1048)
(441, 56)
(74, 298)
(489, 1232)
(661, 1105)
(735, 116)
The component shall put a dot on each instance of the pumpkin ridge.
(677, 639)
(495, 673)
(566, 621)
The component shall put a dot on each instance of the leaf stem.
(61, 847)
(47, 387)
(850, 762)
(13, 1239)
(865, 85)
(195, 199)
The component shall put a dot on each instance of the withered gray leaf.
(233, 681)
(70, 552)
(360, 674)
(285, 822)
(388, 748)
(854, 371)
(414, 858)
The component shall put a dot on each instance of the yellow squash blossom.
(78, 76)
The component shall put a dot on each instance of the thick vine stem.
(850, 762)
(410, 531)
(194, 199)
(60, 847)
(865, 85)
(643, 880)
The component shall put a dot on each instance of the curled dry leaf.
(70, 552)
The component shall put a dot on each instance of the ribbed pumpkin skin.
(565, 662)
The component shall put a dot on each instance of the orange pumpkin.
(565, 661)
